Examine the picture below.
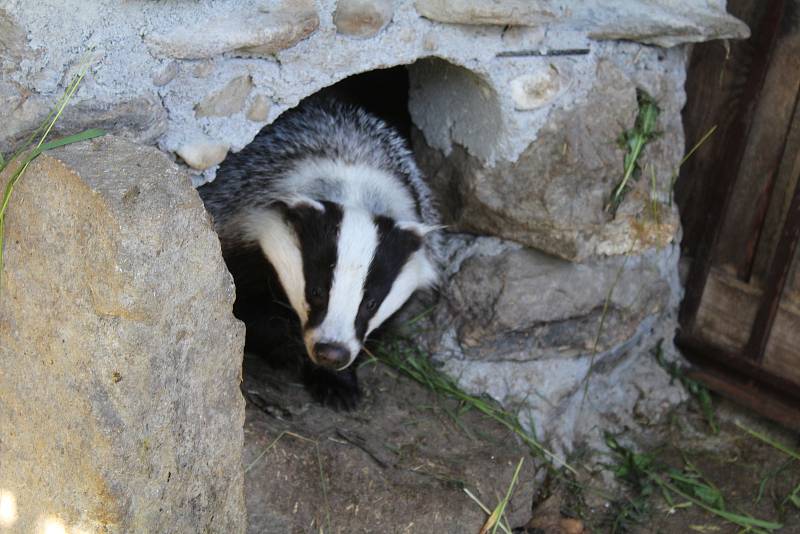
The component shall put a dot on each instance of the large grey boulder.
(565, 344)
(120, 360)
(554, 196)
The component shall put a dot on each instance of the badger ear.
(295, 202)
(418, 228)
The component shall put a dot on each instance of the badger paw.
(336, 389)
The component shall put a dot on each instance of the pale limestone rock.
(659, 22)
(259, 109)
(526, 328)
(519, 304)
(362, 18)
(228, 100)
(262, 33)
(120, 359)
(201, 155)
(166, 74)
(501, 12)
(203, 68)
(13, 42)
(534, 90)
(553, 197)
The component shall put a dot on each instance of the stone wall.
(517, 107)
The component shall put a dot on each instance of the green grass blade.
(498, 512)
(635, 140)
(741, 520)
(688, 155)
(70, 139)
(769, 441)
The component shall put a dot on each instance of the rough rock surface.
(649, 21)
(259, 109)
(119, 355)
(530, 330)
(228, 100)
(508, 12)
(397, 464)
(514, 303)
(554, 196)
(259, 30)
(362, 18)
(203, 154)
(659, 22)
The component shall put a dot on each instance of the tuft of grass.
(794, 496)
(696, 390)
(646, 476)
(629, 469)
(32, 150)
(401, 355)
(496, 516)
(486, 510)
(769, 441)
(634, 141)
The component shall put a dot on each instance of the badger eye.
(316, 292)
(371, 304)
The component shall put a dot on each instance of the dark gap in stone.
(382, 92)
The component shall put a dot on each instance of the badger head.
(344, 270)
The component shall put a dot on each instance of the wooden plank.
(717, 71)
(766, 148)
(724, 179)
(726, 363)
(788, 174)
(782, 354)
(751, 394)
(776, 280)
(726, 312)
(726, 317)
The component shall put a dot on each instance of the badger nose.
(331, 355)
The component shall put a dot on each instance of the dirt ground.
(752, 477)
(408, 460)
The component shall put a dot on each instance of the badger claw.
(336, 389)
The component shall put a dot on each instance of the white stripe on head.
(417, 273)
(351, 184)
(358, 239)
(279, 243)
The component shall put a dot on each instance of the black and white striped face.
(344, 271)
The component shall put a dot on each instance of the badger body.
(325, 214)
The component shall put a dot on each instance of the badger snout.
(332, 355)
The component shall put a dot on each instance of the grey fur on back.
(321, 129)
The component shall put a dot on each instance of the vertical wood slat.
(763, 203)
(776, 281)
(725, 178)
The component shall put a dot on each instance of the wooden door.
(740, 207)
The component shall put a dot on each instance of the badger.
(328, 229)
